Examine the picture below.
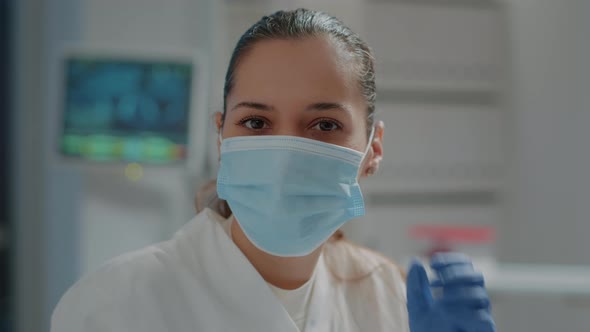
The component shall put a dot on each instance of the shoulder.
(351, 264)
(373, 287)
(100, 295)
(132, 279)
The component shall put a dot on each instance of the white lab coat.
(200, 281)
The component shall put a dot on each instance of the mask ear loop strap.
(371, 136)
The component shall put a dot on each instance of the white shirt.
(200, 281)
(295, 301)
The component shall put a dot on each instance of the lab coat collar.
(233, 282)
(319, 317)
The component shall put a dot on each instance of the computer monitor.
(126, 109)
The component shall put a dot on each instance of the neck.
(281, 272)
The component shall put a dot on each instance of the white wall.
(549, 201)
(27, 184)
(45, 198)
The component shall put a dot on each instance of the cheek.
(229, 127)
(359, 133)
(359, 140)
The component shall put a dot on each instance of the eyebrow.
(254, 105)
(323, 106)
(328, 107)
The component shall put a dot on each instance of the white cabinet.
(541, 313)
(434, 46)
(549, 212)
(441, 72)
(440, 148)
(539, 298)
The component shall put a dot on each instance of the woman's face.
(303, 88)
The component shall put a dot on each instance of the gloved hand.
(461, 303)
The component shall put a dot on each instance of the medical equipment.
(132, 122)
(118, 105)
(126, 109)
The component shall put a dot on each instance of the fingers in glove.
(466, 297)
(444, 259)
(418, 289)
(460, 274)
(465, 319)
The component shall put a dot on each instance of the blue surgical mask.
(289, 194)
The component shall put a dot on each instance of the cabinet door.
(541, 313)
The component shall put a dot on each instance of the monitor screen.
(125, 110)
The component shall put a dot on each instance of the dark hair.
(304, 23)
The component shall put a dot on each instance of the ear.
(219, 126)
(376, 151)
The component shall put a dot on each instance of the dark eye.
(254, 123)
(326, 125)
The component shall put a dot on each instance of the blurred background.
(107, 135)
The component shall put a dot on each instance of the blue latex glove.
(461, 303)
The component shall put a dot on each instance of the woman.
(296, 133)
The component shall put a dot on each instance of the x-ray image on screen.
(126, 110)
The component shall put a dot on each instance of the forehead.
(307, 69)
